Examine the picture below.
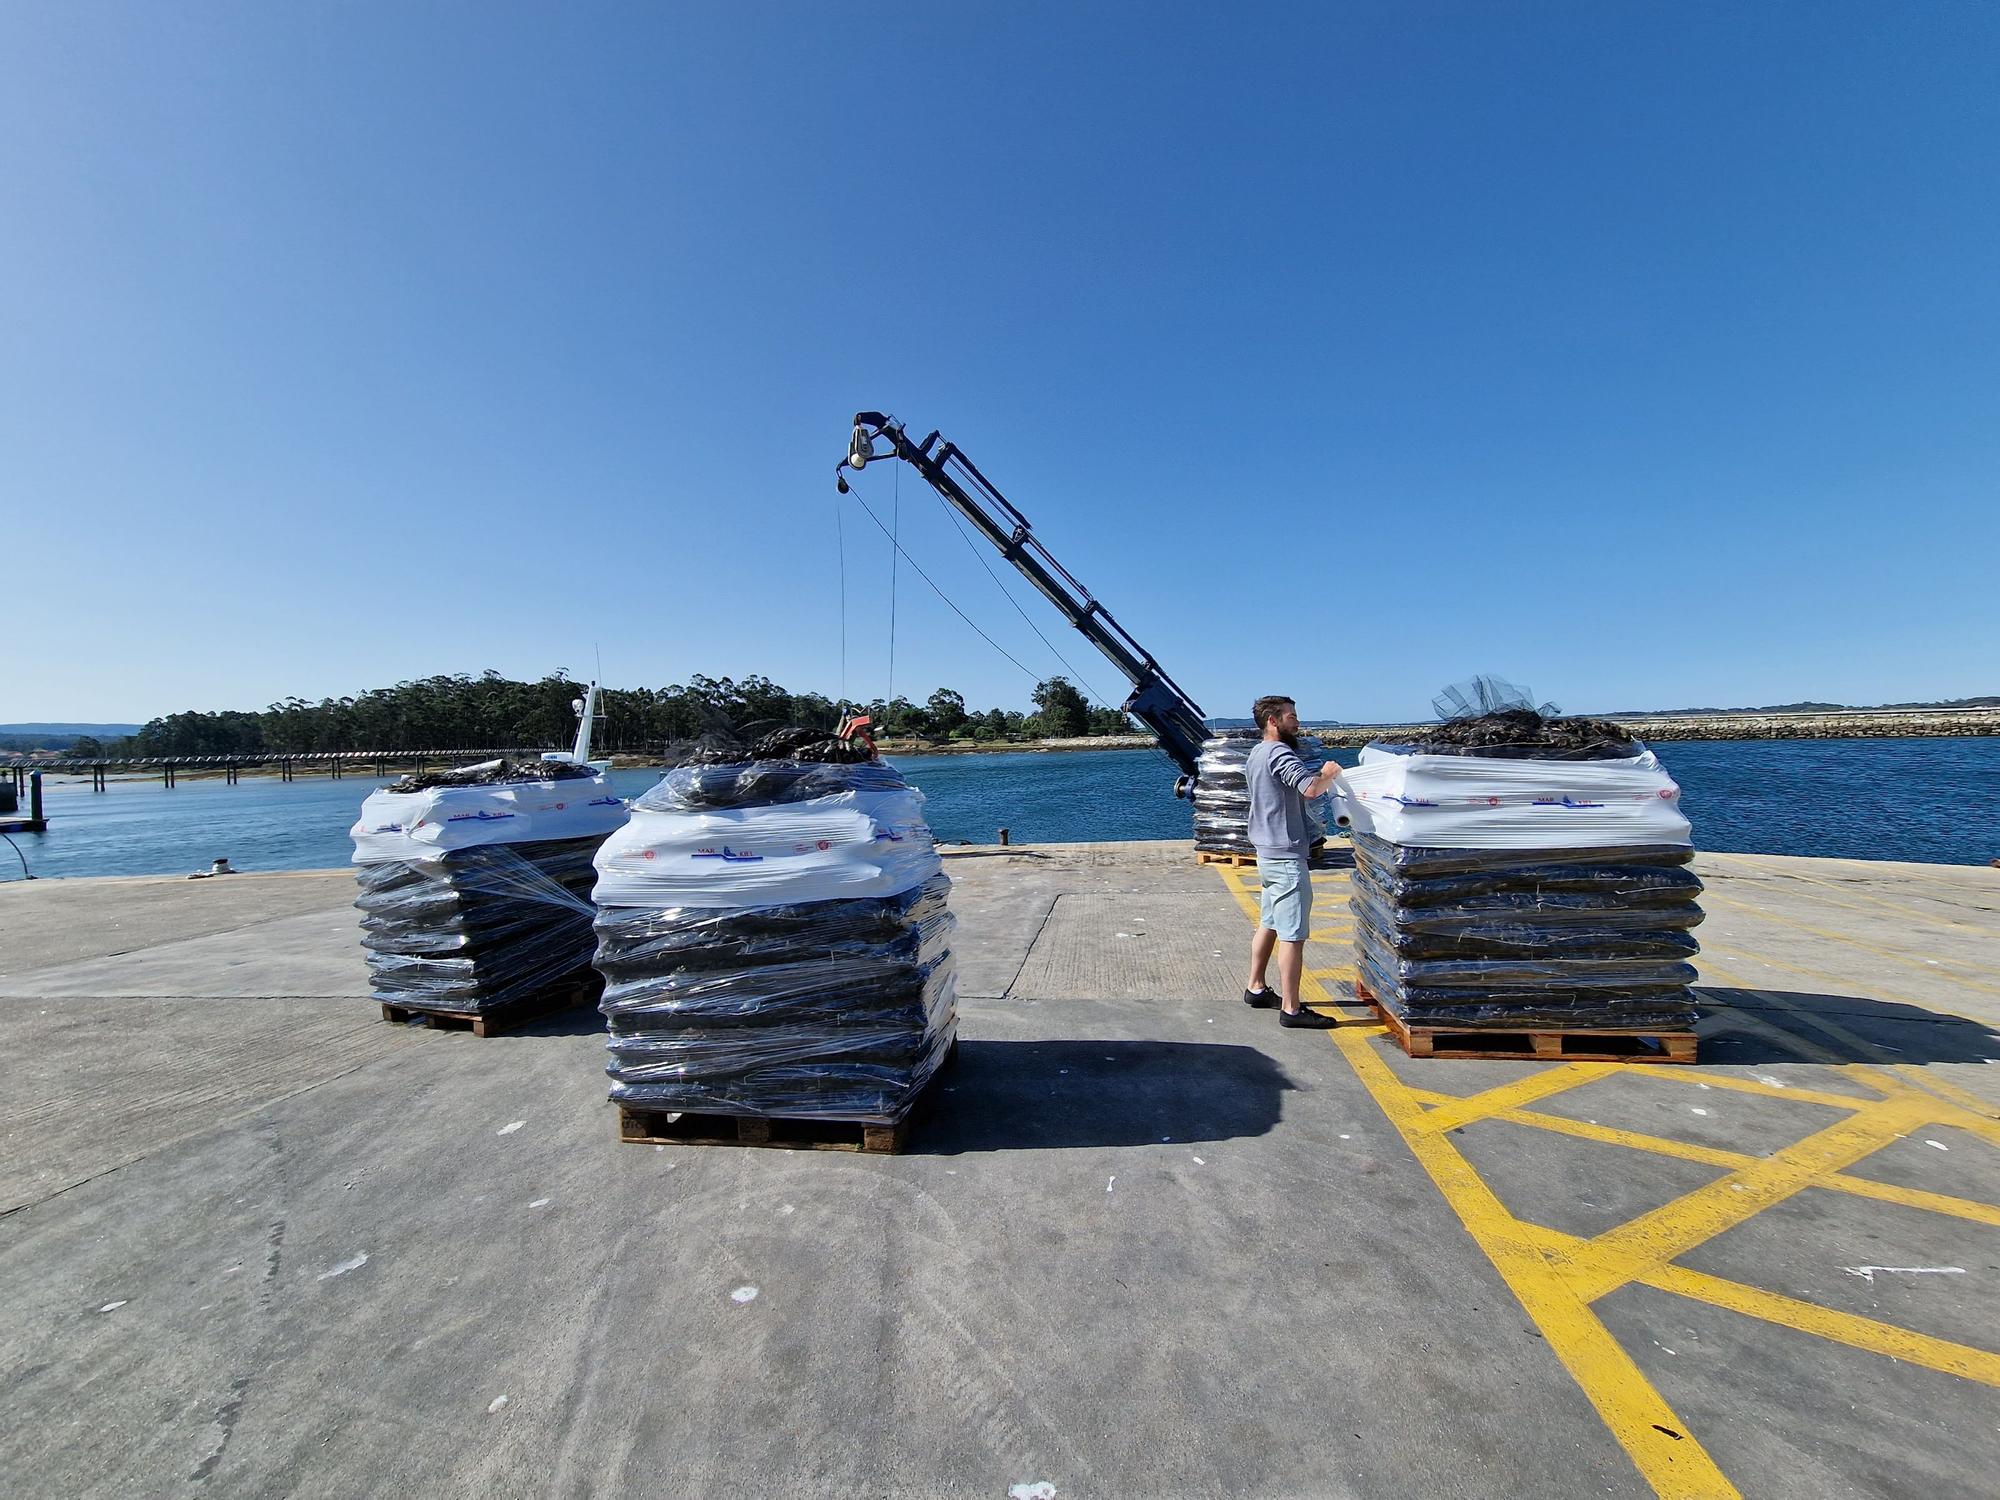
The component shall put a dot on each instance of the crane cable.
(868, 511)
(840, 550)
(895, 546)
(959, 526)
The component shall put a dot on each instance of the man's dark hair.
(1267, 708)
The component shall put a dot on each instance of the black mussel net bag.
(475, 884)
(1552, 926)
(738, 980)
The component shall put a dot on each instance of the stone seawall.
(1858, 725)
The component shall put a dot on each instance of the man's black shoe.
(1262, 999)
(1307, 1018)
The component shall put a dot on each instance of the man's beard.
(1291, 740)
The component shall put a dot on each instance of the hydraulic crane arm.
(1157, 700)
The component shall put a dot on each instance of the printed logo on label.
(481, 816)
(605, 802)
(390, 827)
(732, 856)
(1563, 801)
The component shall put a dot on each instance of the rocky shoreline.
(1856, 724)
(1853, 724)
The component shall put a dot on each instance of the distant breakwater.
(1852, 724)
(1849, 724)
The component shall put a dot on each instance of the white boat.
(586, 715)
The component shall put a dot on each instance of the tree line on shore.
(491, 711)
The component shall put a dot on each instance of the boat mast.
(586, 707)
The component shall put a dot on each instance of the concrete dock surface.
(255, 1240)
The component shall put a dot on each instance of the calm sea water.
(1934, 800)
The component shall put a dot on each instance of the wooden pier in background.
(21, 772)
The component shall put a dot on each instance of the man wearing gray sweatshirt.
(1280, 784)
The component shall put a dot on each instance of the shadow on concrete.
(1056, 1095)
(578, 1020)
(1009, 851)
(1839, 1028)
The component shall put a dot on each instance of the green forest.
(494, 712)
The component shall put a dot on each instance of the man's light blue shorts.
(1287, 902)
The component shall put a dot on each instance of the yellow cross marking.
(1557, 1277)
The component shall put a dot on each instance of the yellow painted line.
(1875, 1337)
(1555, 1277)
(1751, 1086)
(1641, 1246)
(1860, 1187)
(1512, 1095)
(1431, 1097)
(1984, 1110)
(1889, 906)
(1632, 1140)
(1669, 1457)
(1878, 992)
(1940, 968)
(1884, 1083)
(1867, 1334)
(1935, 1203)
(1949, 1103)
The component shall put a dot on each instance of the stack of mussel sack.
(1516, 872)
(1222, 795)
(775, 938)
(475, 884)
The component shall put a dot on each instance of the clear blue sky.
(1646, 354)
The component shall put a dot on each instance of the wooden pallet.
(657, 1127)
(1321, 858)
(1234, 861)
(1537, 1044)
(500, 1018)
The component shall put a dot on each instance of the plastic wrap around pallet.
(1222, 793)
(1633, 885)
(438, 820)
(1507, 892)
(1424, 861)
(1495, 1008)
(471, 930)
(1500, 940)
(775, 939)
(832, 833)
(1462, 802)
(1552, 911)
(648, 940)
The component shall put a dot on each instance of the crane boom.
(1157, 701)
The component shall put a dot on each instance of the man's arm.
(1289, 769)
(1322, 783)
